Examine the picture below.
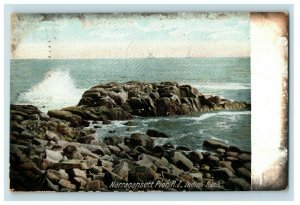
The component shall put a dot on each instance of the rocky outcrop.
(121, 101)
(47, 153)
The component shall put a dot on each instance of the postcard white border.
(253, 195)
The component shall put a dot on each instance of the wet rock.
(215, 144)
(106, 122)
(181, 161)
(196, 157)
(130, 123)
(183, 148)
(234, 149)
(138, 139)
(168, 146)
(215, 100)
(114, 140)
(156, 134)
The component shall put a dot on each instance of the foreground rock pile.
(115, 101)
(59, 152)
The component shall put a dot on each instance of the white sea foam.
(215, 114)
(222, 86)
(55, 91)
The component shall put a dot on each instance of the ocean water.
(53, 84)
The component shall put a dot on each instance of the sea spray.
(55, 91)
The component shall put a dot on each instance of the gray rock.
(215, 144)
(181, 161)
(114, 140)
(138, 139)
(196, 157)
(156, 134)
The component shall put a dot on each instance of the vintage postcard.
(139, 102)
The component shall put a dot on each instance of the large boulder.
(66, 115)
(156, 134)
(196, 157)
(138, 139)
(215, 144)
(181, 161)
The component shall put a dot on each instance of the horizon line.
(126, 58)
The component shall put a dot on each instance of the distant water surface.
(53, 84)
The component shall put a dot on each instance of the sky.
(61, 36)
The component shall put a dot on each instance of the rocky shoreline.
(58, 151)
